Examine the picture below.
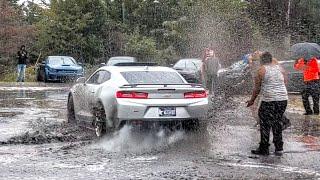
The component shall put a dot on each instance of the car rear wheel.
(70, 109)
(100, 122)
(38, 76)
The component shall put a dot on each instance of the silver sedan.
(116, 95)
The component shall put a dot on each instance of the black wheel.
(45, 78)
(38, 76)
(70, 108)
(100, 121)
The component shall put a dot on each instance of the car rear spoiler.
(164, 85)
(136, 64)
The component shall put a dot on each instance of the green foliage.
(163, 30)
(142, 47)
(73, 27)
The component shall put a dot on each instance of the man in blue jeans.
(22, 63)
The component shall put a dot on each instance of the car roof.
(60, 57)
(136, 68)
(121, 57)
(190, 59)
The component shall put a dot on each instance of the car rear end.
(165, 99)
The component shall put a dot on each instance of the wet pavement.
(37, 143)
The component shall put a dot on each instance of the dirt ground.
(37, 143)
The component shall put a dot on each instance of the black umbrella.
(305, 50)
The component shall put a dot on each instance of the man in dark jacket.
(22, 63)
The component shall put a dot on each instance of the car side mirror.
(81, 80)
(43, 62)
(79, 63)
(102, 64)
(171, 65)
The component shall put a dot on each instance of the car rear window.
(188, 64)
(152, 77)
(61, 60)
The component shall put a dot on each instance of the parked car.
(190, 69)
(235, 79)
(147, 95)
(55, 68)
(120, 59)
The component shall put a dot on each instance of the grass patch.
(11, 76)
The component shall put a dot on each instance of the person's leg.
(264, 115)
(315, 99)
(305, 100)
(276, 125)
(23, 72)
(214, 83)
(19, 72)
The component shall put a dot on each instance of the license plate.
(167, 111)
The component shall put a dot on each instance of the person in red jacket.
(310, 71)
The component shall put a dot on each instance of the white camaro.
(115, 95)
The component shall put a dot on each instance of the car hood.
(65, 67)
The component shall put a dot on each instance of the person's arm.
(285, 75)
(257, 86)
(313, 66)
(275, 61)
(300, 65)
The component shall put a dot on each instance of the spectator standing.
(310, 71)
(22, 63)
(271, 80)
(210, 66)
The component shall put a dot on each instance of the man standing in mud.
(22, 63)
(271, 81)
(210, 67)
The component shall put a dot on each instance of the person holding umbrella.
(308, 64)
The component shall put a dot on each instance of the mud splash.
(129, 140)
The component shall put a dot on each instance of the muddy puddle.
(36, 142)
(42, 131)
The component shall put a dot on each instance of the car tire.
(70, 110)
(99, 123)
(38, 76)
(45, 78)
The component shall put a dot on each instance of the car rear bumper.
(148, 110)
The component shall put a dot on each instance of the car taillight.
(196, 94)
(132, 94)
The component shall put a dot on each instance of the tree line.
(155, 30)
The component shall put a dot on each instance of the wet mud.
(37, 142)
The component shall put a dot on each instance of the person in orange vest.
(310, 71)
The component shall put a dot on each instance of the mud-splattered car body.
(115, 95)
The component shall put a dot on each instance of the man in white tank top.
(270, 80)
